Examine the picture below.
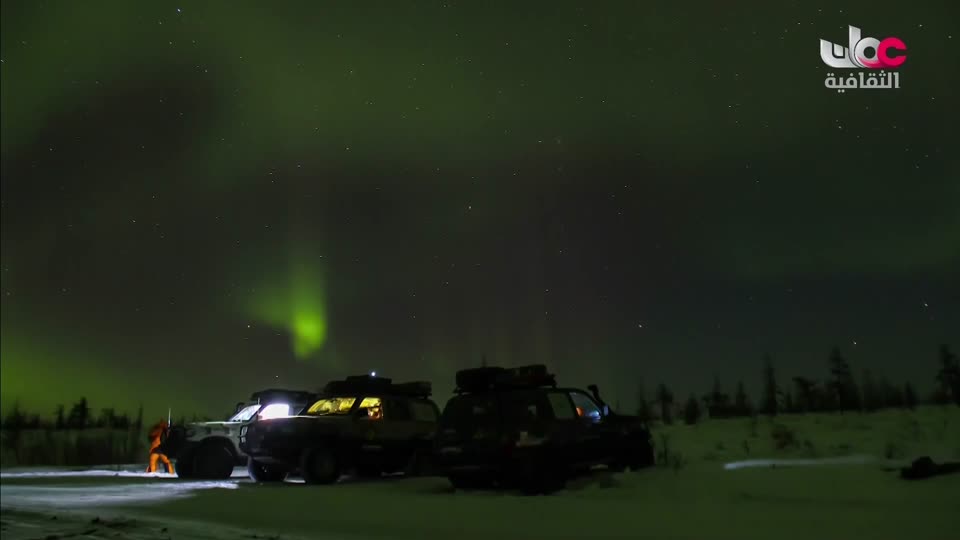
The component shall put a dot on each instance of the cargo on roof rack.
(485, 379)
(357, 384)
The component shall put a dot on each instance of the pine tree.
(769, 405)
(79, 415)
(718, 403)
(807, 399)
(842, 383)
(741, 403)
(61, 421)
(691, 411)
(948, 377)
(643, 406)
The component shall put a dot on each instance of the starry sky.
(201, 199)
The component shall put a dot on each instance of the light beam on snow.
(19, 496)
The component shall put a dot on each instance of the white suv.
(210, 449)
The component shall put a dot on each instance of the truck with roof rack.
(211, 450)
(516, 428)
(365, 424)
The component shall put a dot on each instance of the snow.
(842, 460)
(732, 483)
(57, 496)
(134, 471)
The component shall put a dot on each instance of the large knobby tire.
(213, 461)
(319, 466)
(262, 472)
(184, 465)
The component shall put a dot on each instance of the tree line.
(840, 391)
(79, 416)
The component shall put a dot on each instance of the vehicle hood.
(201, 430)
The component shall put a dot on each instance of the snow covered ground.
(698, 502)
(726, 480)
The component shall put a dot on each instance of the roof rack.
(358, 384)
(486, 379)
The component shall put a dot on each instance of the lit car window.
(245, 413)
(586, 407)
(337, 405)
(275, 410)
(374, 407)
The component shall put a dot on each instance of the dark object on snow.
(925, 468)
(516, 428)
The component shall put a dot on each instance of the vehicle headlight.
(275, 410)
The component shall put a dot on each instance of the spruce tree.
(771, 391)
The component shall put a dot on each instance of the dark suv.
(515, 427)
(363, 423)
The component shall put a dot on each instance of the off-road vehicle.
(515, 427)
(210, 450)
(363, 423)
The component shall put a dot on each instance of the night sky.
(201, 199)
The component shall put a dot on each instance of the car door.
(591, 442)
(364, 435)
(397, 432)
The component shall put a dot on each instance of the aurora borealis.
(202, 199)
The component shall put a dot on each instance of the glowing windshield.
(275, 410)
(334, 405)
(245, 413)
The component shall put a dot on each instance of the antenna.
(169, 411)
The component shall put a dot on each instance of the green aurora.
(200, 200)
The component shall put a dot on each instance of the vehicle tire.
(261, 472)
(183, 465)
(319, 466)
(213, 461)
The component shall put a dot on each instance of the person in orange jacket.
(155, 454)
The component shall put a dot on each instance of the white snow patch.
(844, 460)
(238, 472)
(81, 496)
